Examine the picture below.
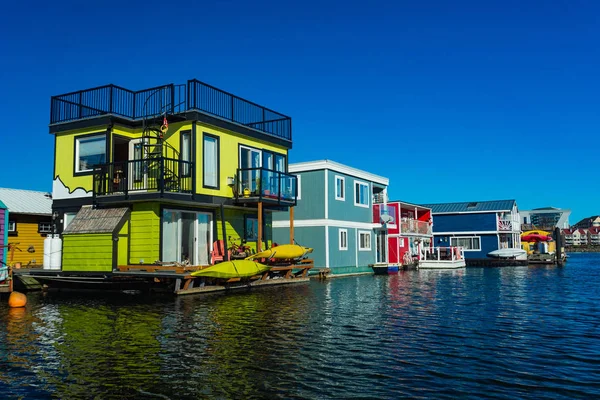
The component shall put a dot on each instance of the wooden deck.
(175, 279)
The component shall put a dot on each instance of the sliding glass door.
(250, 158)
(186, 237)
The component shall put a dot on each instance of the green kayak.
(233, 269)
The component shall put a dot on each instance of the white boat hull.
(515, 254)
(441, 264)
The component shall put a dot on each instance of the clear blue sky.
(453, 101)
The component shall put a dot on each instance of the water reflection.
(499, 332)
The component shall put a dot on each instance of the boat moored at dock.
(442, 258)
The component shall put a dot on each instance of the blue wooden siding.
(346, 210)
(3, 233)
(489, 243)
(351, 260)
(311, 204)
(312, 236)
(366, 257)
(342, 258)
(465, 222)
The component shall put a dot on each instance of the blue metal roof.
(471, 206)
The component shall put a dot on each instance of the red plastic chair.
(218, 252)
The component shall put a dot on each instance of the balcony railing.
(157, 175)
(442, 253)
(413, 226)
(260, 184)
(170, 99)
(505, 225)
(379, 198)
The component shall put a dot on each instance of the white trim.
(343, 197)
(358, 240)
(325, 222)
(299, 193)
(340, 231)
(14, 226)
(337, 167)
(47, 227)
(466, 237)
(326, 247)
(326, 195)
(360, 183)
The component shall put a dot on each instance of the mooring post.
(260, 232)
(292, 225)
(559, 244)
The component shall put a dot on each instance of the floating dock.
(154, 278)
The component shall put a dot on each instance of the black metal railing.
(115, 100)
(260, 184)
(171, 99)
(163, 175)
(212, 100)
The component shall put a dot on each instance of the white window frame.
(65, 224)
(343, 233)
(360, 248)
(77, 144)
(299, 191)
(252, 149)
(49, 230)
(357, 184)
(466, 237)
(343, 196)
(12, 226)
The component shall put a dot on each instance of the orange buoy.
(17, 299)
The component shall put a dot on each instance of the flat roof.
(337, 167)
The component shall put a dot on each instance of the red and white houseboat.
(406, 237)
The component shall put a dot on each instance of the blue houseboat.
(479, 227)
(334, 215)
(3, 233)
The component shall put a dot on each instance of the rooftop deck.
(168, 99)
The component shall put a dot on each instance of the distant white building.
(545, 217)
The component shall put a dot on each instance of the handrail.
(266, 185)
(236, 97)
(161, 174)
(195, 95)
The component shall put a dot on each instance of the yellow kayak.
(283, 252)
(233, 269)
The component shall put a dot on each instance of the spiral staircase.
(159, 155)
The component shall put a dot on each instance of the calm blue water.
(522, 332)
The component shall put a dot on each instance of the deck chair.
(218, 252)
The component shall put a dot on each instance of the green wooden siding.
(145, 233)
(91, 252)
(234, 226)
